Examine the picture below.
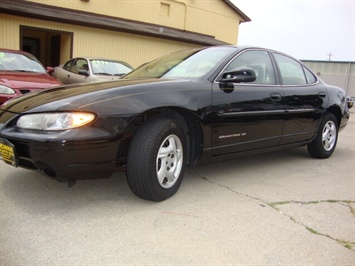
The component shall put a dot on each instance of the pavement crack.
(228, 188)
(344, 202)
(274, 205)
(348, 244)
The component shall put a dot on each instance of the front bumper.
(67, 161)
(83, 153)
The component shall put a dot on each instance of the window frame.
(272, 66)
(67, 66)
(75, 64)
(303, 67)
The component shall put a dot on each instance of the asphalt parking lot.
(271, 209)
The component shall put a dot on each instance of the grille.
(24, 91)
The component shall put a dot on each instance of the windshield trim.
(186, 64)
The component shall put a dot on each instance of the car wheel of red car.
(156, 160)
(325, 142)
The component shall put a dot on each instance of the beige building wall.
(9, 32)
(210, 17)
(131, 48)
(214, 19)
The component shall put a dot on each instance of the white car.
(88, 69)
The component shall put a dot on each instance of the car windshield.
(19, 63)
(184, 64)
(109, 68)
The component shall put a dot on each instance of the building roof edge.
(71, 16)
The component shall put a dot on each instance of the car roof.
(96, 58)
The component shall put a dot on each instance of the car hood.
(99, 78)
(124, 96)
(19, 80)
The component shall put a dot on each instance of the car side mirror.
(238, 75)
(84, 72)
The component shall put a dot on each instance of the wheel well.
(186, 119)
(336, 112)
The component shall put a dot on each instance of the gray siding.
(340, 74)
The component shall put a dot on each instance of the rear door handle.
(276, 97)
(322, 94)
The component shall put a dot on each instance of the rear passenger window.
(291, 71)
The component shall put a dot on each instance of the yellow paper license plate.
(8, 153)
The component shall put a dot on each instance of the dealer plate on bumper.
(8, 152)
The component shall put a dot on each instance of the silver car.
(88, 69)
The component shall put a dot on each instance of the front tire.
(325, 142)
(156, 160)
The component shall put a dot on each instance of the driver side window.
(68, 64)
(80, 64)
(260, 62)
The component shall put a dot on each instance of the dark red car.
(20, 73)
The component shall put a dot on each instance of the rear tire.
(156, 160)
(325, 142)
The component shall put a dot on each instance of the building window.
(164, 10)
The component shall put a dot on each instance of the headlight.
(6, 90)
(55, 121)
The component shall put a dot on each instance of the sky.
(307, 30)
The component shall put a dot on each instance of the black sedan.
(185, 108)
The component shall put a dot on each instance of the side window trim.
(277, 72)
